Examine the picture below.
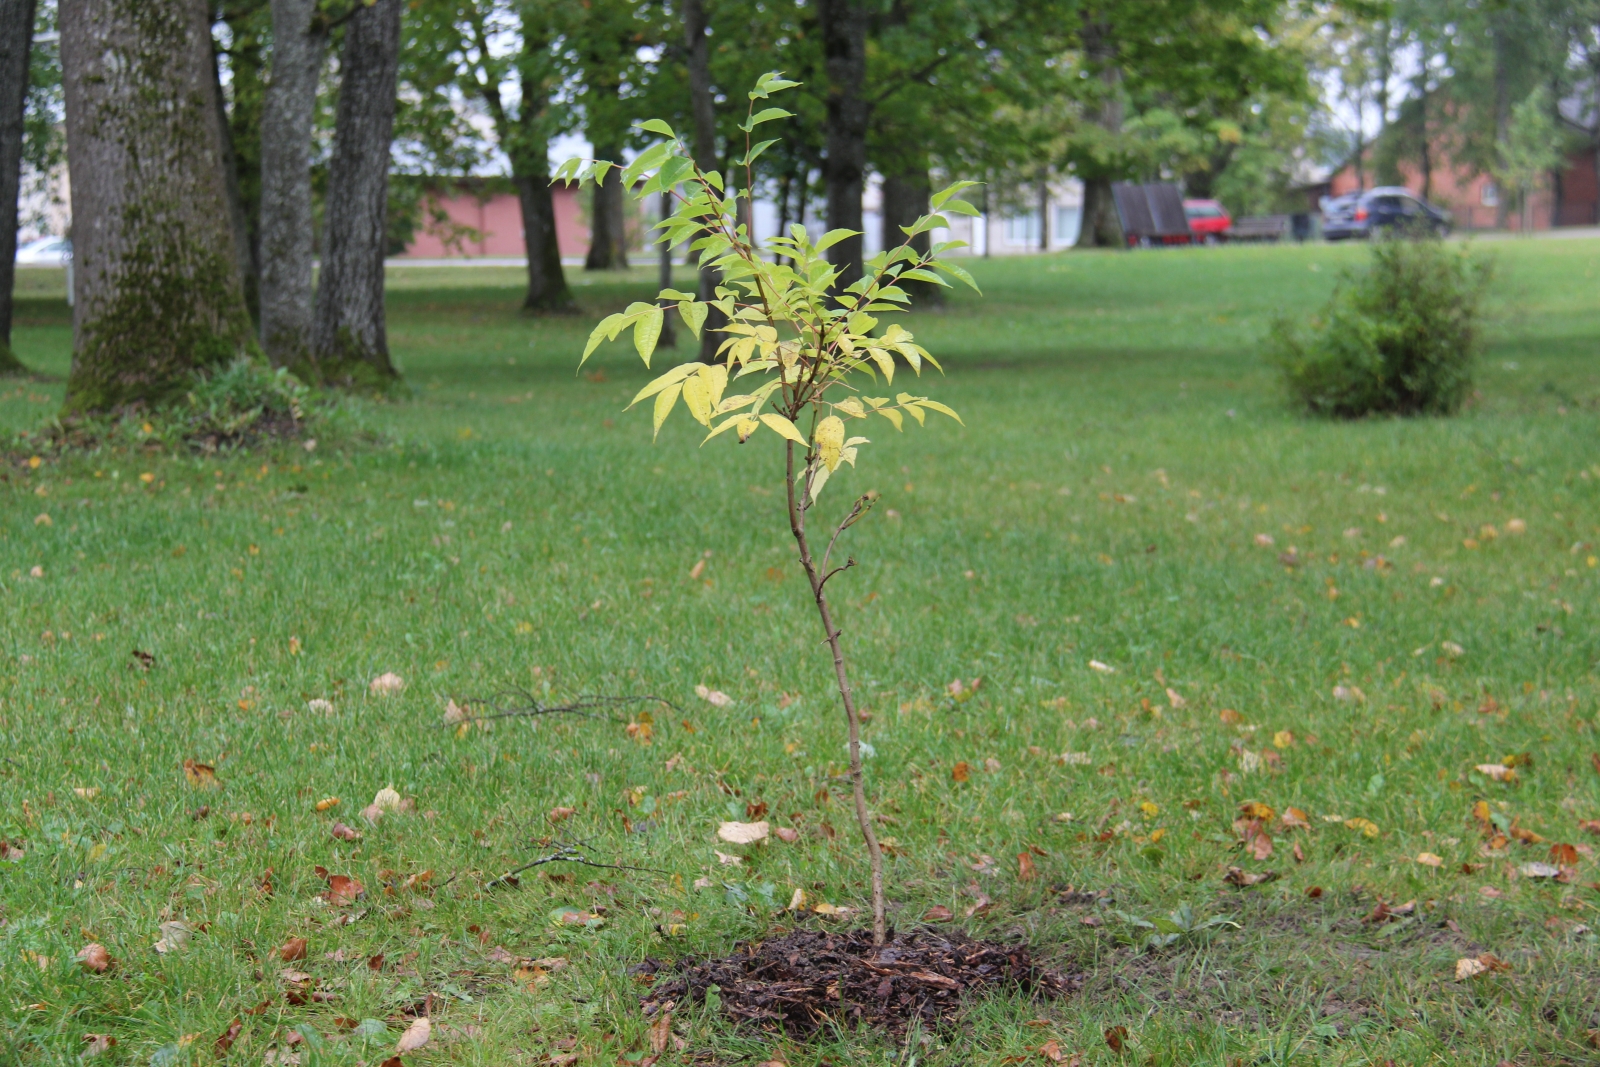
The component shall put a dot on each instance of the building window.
(1023, 229)
(1067, 222)
(1489, 195)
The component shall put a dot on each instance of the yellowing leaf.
(1366, 826)
(200, 775)
(1282, 739)
(693, 314)
(830, 441)
(647, 331)
(697, 398)
(783, 427)
(1429, 859)
(664, 401)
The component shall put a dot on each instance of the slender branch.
(862, 505)
(565, 854)
(533, 708)
(837, 570)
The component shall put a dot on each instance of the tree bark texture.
(608, 240)
(703, 109)
(906, 191)
(16, 41)
(156, 282)
(1100, 226)
(299, 47)
(547, 281)
(844, 50)
(238, 214)
(350, 343)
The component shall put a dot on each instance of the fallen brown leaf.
(94, 957)
(961, 772)
(200, 775)
(415, 1037)
(1117, 1038)
(292, 949)
(1295, 819)
(97, 1044)
(938, 914)
(228, 1037)
(344, 833)
(1024, 867)
(1242, 878)
(1564, 854)
(661, 1033)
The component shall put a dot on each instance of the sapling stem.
(815, 575)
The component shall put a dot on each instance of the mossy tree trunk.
(349, 340)
(299, 44)
(156, 277)
(16, 40)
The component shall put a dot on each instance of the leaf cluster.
(804, 350)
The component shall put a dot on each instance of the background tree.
(605, 37)
(350, 344)
(158, 295)
(299, 50)
(241, 34)
(524, 127)
(16, 41)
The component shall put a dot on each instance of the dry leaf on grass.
(200, 775)
(1539, 870)
(94, 957)
(787, 834)
(1497, 771)
(1428, 859)
(292, 949)
(226, 1039)
(1242, 878)
(1117, 1038)
(561, 814)
(937, 914)
(174, 935)
(1295, 819)
(661, 1033)
(715, 697)
(97, 1044)
(1470, 967)
(415, 1037)
(743, 833)
(386, 684)
(344, 833)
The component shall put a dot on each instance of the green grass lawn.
(1124, 454)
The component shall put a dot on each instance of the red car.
(1208, 220)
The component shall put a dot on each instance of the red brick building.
(1568, 198)
(494, 218)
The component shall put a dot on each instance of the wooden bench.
(1259, 228)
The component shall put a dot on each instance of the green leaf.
(755, 151)
(647, 331)
(833, 237)
(657, 126)
(939, 199)
(918, 274)
(674, 294)
(606, 331)
(602, 167)
(961, 207)
(765, 115)
(694, 315)
(956, 272)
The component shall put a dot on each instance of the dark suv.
(1388, 207)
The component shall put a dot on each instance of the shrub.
(1399, 339)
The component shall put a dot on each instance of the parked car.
(45, 252)
(1388, 207)
(1208, 220)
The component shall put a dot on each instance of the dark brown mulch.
(808, 979)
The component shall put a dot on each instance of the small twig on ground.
(565, 854)
(516, 703)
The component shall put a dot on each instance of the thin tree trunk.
(1044, 214)
(608, 244)
(16, 40)
(156, 281)
(702, 109)
(669, 334)
(525, 140)
(350, 339)
(844, 49)
(238, 218)
(300, 43)
(818, 576)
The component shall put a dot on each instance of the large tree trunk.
(16, 39)
(350, 341)
(608, 243)
(844, 50)
(703, 109)
(547, 282)
(1100, 226)
(156, 277)
(299, 46)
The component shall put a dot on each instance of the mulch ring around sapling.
(809, 979)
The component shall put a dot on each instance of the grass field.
(1124, 451)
